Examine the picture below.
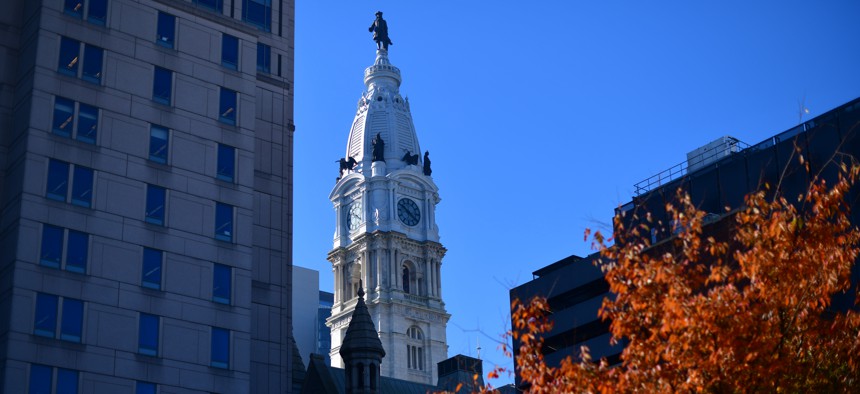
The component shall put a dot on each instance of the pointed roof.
(361, 335)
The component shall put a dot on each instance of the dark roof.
(361, 335)
(558, 264)
(323, 378)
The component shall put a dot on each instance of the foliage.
(745, 309)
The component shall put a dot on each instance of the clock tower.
(386, 235)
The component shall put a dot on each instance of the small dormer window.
(379, 98)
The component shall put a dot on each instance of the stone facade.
(214, 203)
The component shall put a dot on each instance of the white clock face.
(353, 216)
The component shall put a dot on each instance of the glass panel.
(264, 58)
(148, 335)
(58, 180)
(67, 381)
(214, 5)
(258, 13)
(230, 51)
(152, 268)
(97, 12)
(224, 222)
(227, 109)
(158, 140)
(162, 85)
(221, 283)
(64, 110)
(40, 379)
(45, 321)
(220, 347)
(88, 123)
(226, 163)
(76, 255)
(155, 199)
(166, 29)
(92, 64)
(73, 320)
(74, 7)
(52, 246)
(69, 56)
(145, 388)
(82, 187)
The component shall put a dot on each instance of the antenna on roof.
(478, 341)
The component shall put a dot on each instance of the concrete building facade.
(306, 290)
(146, 191)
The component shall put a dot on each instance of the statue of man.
(378, 148)
(380, 32)
(427, 170)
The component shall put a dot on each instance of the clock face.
(353, 216)
(408, 212)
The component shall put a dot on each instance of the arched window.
(415, 349)
(405, 279)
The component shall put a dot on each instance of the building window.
(156, 198)
(70, 58)
(76, 251)
(158, 144)
(229, 51)
(41, 379)
(152, 261)
(226, 163)
(405, 279)
(222, 279)
(145, 388)
(227, 109)
(224, 222)
(220, 348)
(166, 34)
(58, 183)
(162, 85)
(264, 58)
(86, 127)
(258, 13)
(415, 349)
(147, 338)
(71, 319)
(214, 5)
(96, 10)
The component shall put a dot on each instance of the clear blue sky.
(540, 116)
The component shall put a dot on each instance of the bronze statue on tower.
(380, 32)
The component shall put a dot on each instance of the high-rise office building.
(146, 193)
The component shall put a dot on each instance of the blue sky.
(540, 116)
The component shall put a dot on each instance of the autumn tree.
(743, 310)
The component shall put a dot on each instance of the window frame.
(218, 334)
(163, 72)
(167, 21)
(226, 151)
(264, 58)
(153, 157)
(66, 317)
(86, 57)
(78, 183)
(218, 7)
(226, 114)
(65, 240)
(142, 387)
(222, 278)
(234, 44)
(226, 236)
(149, 214)
(44, 379)
(266, 23)
(157, 256)
(148, 322)
(72, 110)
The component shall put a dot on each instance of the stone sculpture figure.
(410, 159)
(380, 32)
(346, 164)
(378, 148)
(427, 170)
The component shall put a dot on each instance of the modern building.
(386, 236)
(324, 334)
(146, 193)
(306, 290)
(716, 176)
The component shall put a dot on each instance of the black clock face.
(353, 216)
(408, 212)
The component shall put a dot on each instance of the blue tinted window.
(64, 112)
(226, 163)
(214, 5)
(88, 123)
(155, 200)
(92, 64)
(230, 51)
(152, 268)
(158, 143)
(52, 246)
(221, 283)
(67, 381)
(58, 180)
(69, 56)
(40, 379)
(162, 85)
(74, 7)
(264, 58)
(145, 388)
(97, 12)
(227, 109)
(73, 320)
(82, 187)
(76, 255)
(258, 13)
(45, 321)
(220, 348)
(224, 222)
(147, 342)
(166, 30)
